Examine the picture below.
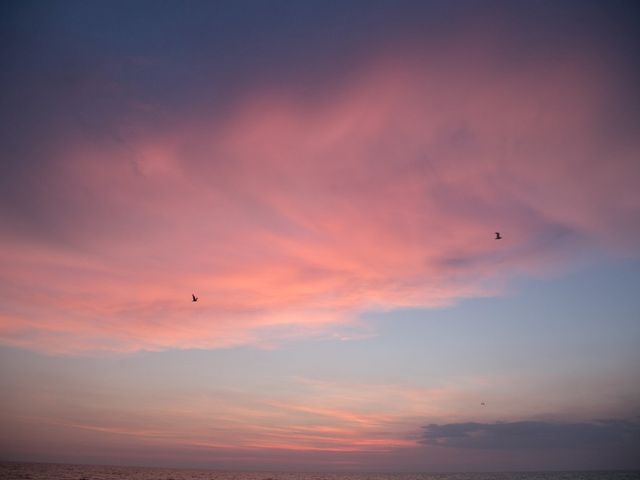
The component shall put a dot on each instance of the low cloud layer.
(535, 435)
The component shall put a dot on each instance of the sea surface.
(47, 471)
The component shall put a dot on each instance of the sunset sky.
(327, 178)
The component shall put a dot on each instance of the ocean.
(46, 471)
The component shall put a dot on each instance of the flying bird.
(498, 237)
(482, 403)
(195, 299)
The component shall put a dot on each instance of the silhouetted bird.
(482, 403)
(498, 237)
(195, 299)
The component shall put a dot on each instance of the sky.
(326, 177)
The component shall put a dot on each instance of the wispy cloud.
(291, 217)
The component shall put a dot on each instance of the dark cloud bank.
(605, 434)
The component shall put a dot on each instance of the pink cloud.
(293, 216)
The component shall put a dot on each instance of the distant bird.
(482, 403)
(195, 299)
(498, 237)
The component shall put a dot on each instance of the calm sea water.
(44, 471)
